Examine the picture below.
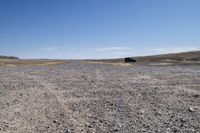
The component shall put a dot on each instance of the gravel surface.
(80, 97)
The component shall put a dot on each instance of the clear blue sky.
(98, 28)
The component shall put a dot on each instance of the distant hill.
(183, 58)
(8, 57)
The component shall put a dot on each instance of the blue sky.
(78, 29)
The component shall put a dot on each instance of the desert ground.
(99, 97)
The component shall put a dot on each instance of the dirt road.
(83, 97)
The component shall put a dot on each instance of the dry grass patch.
(7, 62)
(111, 63)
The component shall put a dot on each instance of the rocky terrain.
(84, 97)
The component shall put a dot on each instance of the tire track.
(77, 122)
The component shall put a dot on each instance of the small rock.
(196, 95)
(193, 109)
(175, 130)
(158, 113)
(89, 126)
(142, 111)
(115, 130)
(61, 115)
(70, 131)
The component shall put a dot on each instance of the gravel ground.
(80, 97)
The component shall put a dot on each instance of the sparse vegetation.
(11, 62)
(8, 57)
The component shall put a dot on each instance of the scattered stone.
(155, 88)
(61, 115)
(193, 109)
(89, 125)
(115, 130)
(175, 130)
(70, 131)
(158, 113)
(196, 95)
(68, 101)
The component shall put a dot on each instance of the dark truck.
(129, 59)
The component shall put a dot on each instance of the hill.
(183, 58)
(8, 57)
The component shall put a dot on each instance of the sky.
(89, 29)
